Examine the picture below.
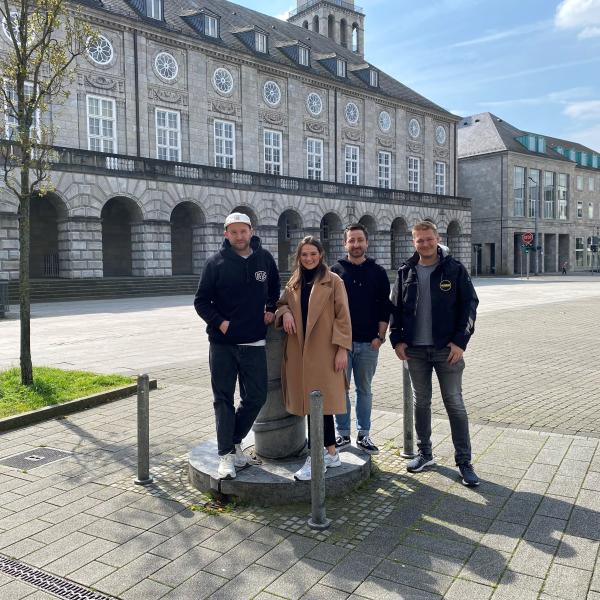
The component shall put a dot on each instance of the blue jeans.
(423, 361)
(227, 364)
(362, 361)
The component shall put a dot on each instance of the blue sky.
(535, 63)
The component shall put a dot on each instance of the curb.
(58, 410)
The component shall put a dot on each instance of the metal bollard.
(408, 449)
(143, 423)
(318, 519)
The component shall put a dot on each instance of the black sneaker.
(419, 462)
(364, 442)
(342, 440)
(469, 477)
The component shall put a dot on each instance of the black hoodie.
(453, 302)
(238, 290)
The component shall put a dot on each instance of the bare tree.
(44, 38)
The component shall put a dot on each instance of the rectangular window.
(352, 157)
(440, 178)
(314, 159)
(519, 192)
(261, 42)
(579, 252)
(591, 184)
(563, 195)
(374, 79)
(211, 26)
(168, 135)
(534, 192)
(11, 123)
(341, 68)
(384, 160)
(590, 210)
(102, 124)
(303, 56)
(414, 174)
(225, 144)
(580, 210)
(272, 140)
(154, 9)
(549, 195)
(579, 183)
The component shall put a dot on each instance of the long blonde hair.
(320, 270)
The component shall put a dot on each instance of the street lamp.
(535, 217)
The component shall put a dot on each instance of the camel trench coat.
(308, 359)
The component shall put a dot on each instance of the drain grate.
(34, 458)
(51, 584)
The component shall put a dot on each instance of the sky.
(534, 63)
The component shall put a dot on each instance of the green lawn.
(51, 386)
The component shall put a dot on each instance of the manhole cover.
(32, 459)
(57, 586)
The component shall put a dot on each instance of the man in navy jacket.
(236, 297)
(433, 320)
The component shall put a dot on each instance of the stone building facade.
(184, 111)
(522, 182)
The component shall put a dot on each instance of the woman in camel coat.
(313, 311)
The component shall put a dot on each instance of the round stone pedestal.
(273, 482)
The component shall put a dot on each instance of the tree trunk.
(24, 296)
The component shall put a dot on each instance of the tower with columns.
(339, 20)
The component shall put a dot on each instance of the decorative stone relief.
(414, 147)
(170, 96)
(438, 153)
(316, 127)
(272, 117)
(386, 142)
(220, 106)
(353, 135)
(101, 82)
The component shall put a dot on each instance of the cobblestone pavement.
(532, 529)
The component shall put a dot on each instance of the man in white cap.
(236, 297)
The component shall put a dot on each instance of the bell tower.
(340, 20)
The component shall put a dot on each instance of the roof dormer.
(204, 22)
(253, 37)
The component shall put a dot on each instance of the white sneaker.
(304, 474)
(332, 460)
(241, 460)
(226, 468)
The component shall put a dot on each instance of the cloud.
(284, 16)
(559, 97)
(583, 15)
(590, 137)
(588, 109)
(502, 35)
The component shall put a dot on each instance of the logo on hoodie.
(261, 276)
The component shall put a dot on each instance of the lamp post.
(536, 208)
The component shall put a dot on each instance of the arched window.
(305, 24)
(316, 24)
(343, 33)
(331, 27)
(355, 37)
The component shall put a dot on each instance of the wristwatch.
(381, 338)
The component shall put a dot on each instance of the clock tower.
(340, 20)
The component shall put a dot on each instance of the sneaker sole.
(333, 466)
(430, 463)
(349, 443)
(228, 476)
(469, 484)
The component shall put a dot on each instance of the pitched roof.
(234, 16)
(486, 133)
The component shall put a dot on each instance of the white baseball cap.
(237, 217)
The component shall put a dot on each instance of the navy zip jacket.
(453, 302)
(368, 289)
(238, 290)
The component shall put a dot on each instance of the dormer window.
(341, 67)
(374, 78)
(303, 56)
(211, 26)
(154, 9)
(260, 42)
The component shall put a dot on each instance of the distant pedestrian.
(368, 289)
(237, 298)
(313, 311)
(433, 320)
(564, 267)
